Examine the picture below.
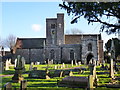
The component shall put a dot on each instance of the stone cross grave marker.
(111, 69)
(8, 86)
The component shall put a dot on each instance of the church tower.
(55, 30)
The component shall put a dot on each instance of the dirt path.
(5, 75)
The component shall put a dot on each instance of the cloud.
(36, 27)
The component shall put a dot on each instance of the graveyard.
(74, 76)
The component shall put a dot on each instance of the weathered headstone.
(76, 62)
(55, 67)
(41, 74)
(67, 72)
(63, 65)
(111, 69)
(8, 86)
(9, 62)
(74, 82)
(72, 63)
(32, 63)
(23, 85)
(52, 61)
(15, 62)
(31, 67)
(79, 63)
(7, 65)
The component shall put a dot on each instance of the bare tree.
(10, 42)
(73, 31)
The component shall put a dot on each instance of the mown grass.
(51, 84)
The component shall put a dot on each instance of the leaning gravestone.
(18, 70)
(8, 86)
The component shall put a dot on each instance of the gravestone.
(57, 73)
(15, 62)
(23, 85)
(92, 67)
(111, 69)
(8, 86)
(31, 67)
(23, 63)
(76, 62)
(79, 63)
(55, 67)
(63, 65)
(38, 63)
(52, 61)
(74, 82)
(72, 63)
(67, 72)
(7, 65)
(32, 63)
(41, 74)
(18, 70)
(9, 62)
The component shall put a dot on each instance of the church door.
(90, 56)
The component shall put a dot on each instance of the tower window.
(52, 26)
(71, 55)
(52, 54)
(89, 47)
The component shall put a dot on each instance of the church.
(60, 47)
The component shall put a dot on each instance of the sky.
(28, 20)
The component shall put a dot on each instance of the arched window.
(52, 54)
(89, 47)
(71, 55)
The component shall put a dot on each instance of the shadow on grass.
(37, 80)
(8, 72)
(43, 85)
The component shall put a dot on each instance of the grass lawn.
(51, 84)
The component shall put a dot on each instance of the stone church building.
(59, 47)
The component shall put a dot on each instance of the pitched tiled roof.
(30, 43)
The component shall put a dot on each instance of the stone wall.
(31, 55)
